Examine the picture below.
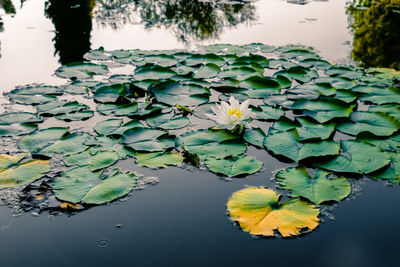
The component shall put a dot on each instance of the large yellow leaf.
(8, 160)
(257, 211)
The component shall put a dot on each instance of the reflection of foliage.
(73, 24)
(376, 32)
(190, 20)
(8, 7)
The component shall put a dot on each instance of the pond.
(177, 216)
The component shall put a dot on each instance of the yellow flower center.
(234, 111)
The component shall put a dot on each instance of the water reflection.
(72, 21)
(189, 20)
(376, 25)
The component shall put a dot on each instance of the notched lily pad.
(258, 211)
(318, 188)
(233, 166)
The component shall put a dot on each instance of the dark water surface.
(182, 221)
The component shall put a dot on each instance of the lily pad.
(377, 123)
(359, 158)
(42, 138)
(118, 109)
(70, 144)
(103, 159)
(287, 144)
(167, 121)
(254, 137)
(158, 159)
(323, 110)
(80, 70)
(7, 161)
(317, 189)
(24, 173)
(233, 166)
(257, 210)
(172, 93)
(82, 185)
(150, 140)
(19, 117)
(211, 143)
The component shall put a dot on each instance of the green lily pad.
(359, 158)
(317, 189)
(42, 138)
(254, 137)
(380, 124)
(197, 59)
(103, 159)
(211, 143)
(167, 121)
(323, 110)
(107, 127)
(109, 93)
(258, 87)
(287, 144)
(80, 70)
(17, 129)
(161, 60)
(207, 71)
(82, 185)
(391, 109)
(70, 144)
(118, 109)
(158, 159)
(392, 172)
(264, 112)
(153, 72)
(172, 93)
(233, 166)
(311, 130)
(19, 117)
(97, 54)
(150, 140)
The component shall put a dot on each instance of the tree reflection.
(376, 25)
(189, 20)
(72, 20)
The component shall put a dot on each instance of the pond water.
(182, 220)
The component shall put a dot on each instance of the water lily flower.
(231, 115)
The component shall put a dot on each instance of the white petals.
(228, 116)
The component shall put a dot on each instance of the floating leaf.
(310, 130)
(41, 138)
(172, 93)
(158, 159)
(317, 189)
(392, 172)
(257, 211)
(109, 93)
(323, 110)
(24, 173)
(254, 137)
(81, 70)
(287, 144)
(167, 121)
(151, 140)
(107, 127)
(359, 158)
(70, 144)
(103, 159)
(153, 72)
(210, 143)
(17, 129)
(197, 59)
(264, 112)
(378, 123)
(207, 71)
(19, 117)
(7, 161)
(233, 166)
(82, 185)
(118, 109)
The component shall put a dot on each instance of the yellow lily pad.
(8, 160)
(24, 173)
(258, 212)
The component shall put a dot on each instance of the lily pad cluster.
(332, 122)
